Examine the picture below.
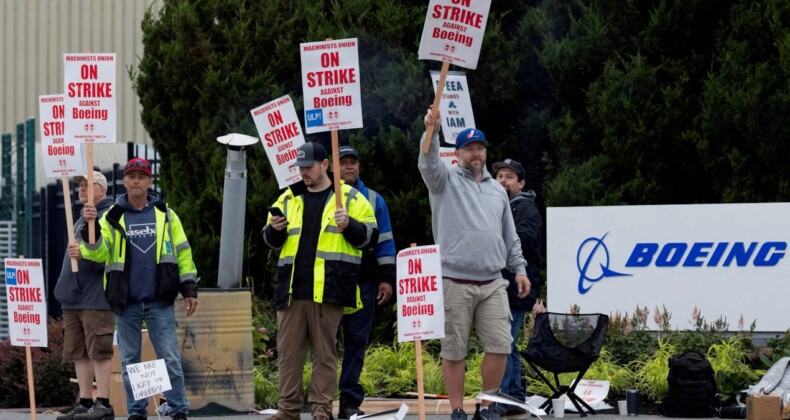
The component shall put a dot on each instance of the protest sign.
(148, 378)
(453, 31)
(90, 97)
(330, 84)
(60, 158)
(448, 156)
(455, 104)
(420, 293)
(281, 135)
(26, 301)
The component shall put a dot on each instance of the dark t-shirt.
(314, 203)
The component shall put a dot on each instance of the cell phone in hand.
(275, 211)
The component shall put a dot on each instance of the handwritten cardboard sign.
(148, 378)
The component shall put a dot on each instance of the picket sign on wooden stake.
(426, 142)
(69, 218)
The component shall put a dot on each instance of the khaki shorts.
(87, 333)
(486, 307)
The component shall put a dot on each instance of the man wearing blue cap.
(375, 287)
(472, 222)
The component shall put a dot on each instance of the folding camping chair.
(566, 343)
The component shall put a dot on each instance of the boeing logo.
(592, 257)
(596, 252)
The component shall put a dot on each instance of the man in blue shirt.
(375, 287)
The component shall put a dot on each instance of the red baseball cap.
(137, 164)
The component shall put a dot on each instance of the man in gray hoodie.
(87, 319)
(474, 227)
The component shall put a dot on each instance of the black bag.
(691, 390)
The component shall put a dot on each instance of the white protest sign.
(330, 84)
(26, 301)
(447, 155)
(281, 135)
(148, 378)
(453, 31)
(455, 105)
(420, 293)
(590, 391)
(90, 97)
(60, 158)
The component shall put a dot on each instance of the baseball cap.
(470, 135)
(513, 166)
(98, 179)
(347, 151)
(137, 164)
(309, 153)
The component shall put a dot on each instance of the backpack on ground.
(691, 387)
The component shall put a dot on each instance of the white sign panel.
(330, 83)
(60, 158)
(420, 293)
(454, 30)
(91, 95)
(26, 301)
(448, 156)
(148, 378)
(727, 260)
(455, 107)
(281, 135)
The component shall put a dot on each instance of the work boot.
(347, 412)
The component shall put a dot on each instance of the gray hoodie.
(84, 289)
(472, 222)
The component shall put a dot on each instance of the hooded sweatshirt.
(84, 289)
(471, 220)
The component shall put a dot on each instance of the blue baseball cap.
(470, 135)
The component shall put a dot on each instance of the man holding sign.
(472, 222)
(87, 320)
(317, 275)
(149, 261)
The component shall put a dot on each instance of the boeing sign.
(727, 260)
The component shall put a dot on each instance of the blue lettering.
(710, 254)
(762, 259)
(698, 250)
(740, 254)
(717, 254)
(642, 255)
(671, 254)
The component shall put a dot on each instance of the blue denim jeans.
(161, 321)
(355, 329)
(511, 381)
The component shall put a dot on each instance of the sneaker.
(347, 412)
(179, 416)
(137, 418)
(484, 413)
(76, 410)
(458, 414)
(99, 411)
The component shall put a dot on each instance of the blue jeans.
(355, 330)
(161, 321)
(511, 381)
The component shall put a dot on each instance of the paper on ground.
(495, 396)
(398, 414)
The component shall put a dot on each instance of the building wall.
(34, 35)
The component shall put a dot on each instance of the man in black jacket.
(510, 174)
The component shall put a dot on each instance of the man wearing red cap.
(149, 261)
